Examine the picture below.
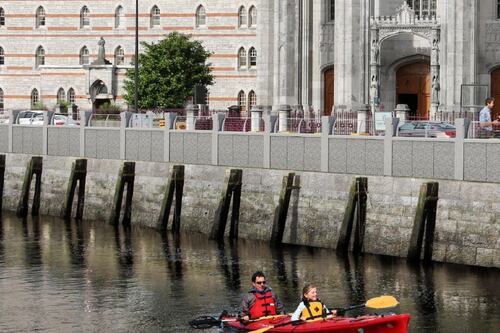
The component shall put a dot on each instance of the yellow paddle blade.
(382, 302)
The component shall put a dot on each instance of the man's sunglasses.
(260, 282)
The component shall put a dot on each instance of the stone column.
(435, 80)
(191, 114)
(284, 113)
(374, 69)
(306, 49)
(363, 112)
(256, 114)
(402, 111)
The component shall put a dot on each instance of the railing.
(203, 123)
(488, 132)
(237, 124)
(104, 120)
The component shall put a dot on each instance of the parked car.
(30, 118)
(427, 129)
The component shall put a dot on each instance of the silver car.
(427, 129)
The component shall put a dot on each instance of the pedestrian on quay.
(485, 122)
(260, 301)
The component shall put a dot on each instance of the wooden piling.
(355, 208)
(232, 189)
(78, 176)
(425, 221)
(2, 180)
(34, 167)
(175, 186)
(281, 211)
(126, 176)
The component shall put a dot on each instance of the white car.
(30, 118)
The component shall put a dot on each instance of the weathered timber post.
(2, 179)
(355, 208)
(232, 189)
(35, 166)
(281, 211)
(425, 219)
(126, 176)
(78, 174)
(175, 185)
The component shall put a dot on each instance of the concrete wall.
(467, 229)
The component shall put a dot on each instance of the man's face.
(491, 105)
(260, 283)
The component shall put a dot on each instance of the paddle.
(380, 302)
(204, 322)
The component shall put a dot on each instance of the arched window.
(71, 96)
(39, 57)
(252, 17)
(1, 100)
(2, 56)
(252, 99)
(253, 57)
(2, 17)
(35, 98)
(84, 56)
(84, 17)
(201, 16)
(61, 96)
(330, 10)
(242, 101)
(119, 56)
(424, 8)
(40, 17)
(242, 58)
(119, 17)
(242, 17)
(155, 17)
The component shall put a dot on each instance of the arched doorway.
(99, 95)
(495, 92)
(413, 87)
(329, 99)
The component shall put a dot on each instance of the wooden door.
(413, 83)
(495, 92)
(329, 98)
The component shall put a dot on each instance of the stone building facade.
(311, 54)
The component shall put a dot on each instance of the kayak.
(391, 323)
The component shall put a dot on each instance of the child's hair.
(307, 288)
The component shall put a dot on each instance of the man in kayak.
(260, 301)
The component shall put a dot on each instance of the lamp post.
(136, 79)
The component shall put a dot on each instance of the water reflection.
(79, 276)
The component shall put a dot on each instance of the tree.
(168, 72)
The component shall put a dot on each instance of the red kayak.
(391, 323)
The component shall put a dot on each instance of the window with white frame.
(201, 16)
(35, 98)
(2, 56)
(85, 17)
(84, 56)
(242, 17)
(119, 17)
(61, 96)
(252, 55)
(119, 56)
(155, 17)
(252, 99)
(252, 17)
(242, 101)
(40, 17)
(423, 8)
(71, 96)
(2, 17)
(1, 100)
(242, 58)
(39, 57)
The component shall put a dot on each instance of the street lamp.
(136, 79)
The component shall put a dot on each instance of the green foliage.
(39, 106)
(168, 71)
(63, 106)
(109, 108)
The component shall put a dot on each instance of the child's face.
(312, 294)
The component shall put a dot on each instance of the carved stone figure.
(101, 53)
(375, 52)
(435, 89)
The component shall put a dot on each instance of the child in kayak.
(311, 306)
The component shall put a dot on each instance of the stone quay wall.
(468, 215)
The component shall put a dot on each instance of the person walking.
(485, 123)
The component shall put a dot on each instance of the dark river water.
(92, 277)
